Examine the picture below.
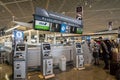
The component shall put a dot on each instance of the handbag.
(114, 50)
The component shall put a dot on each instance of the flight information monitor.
(76, 30)
(55, 27)
(72, 29)
(79, 30)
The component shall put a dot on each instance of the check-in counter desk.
(34, 54)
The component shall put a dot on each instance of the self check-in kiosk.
(47, 60)
(79, 59)
(20, 69)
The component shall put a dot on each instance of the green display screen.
(79, 31)
(41, 25)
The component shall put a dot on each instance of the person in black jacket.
(109, 46)
(105, 53)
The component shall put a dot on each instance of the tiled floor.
(90, 73)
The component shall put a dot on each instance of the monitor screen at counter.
(78, 45)
(46, 47)
(20, 47)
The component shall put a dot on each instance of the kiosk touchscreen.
(46, 48)
(78, 48)
(20, 52)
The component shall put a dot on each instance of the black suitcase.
(114, 66)
(118, 74)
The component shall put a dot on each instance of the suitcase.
(115, 55)
(114, 66)
(118, 74)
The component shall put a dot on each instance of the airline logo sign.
(63, 28)
(41, 25)
(18, 35)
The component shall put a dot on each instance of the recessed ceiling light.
(111, 12)
(63, 13)
(90, 6)
(86, 3)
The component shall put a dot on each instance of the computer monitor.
(78, 45)
(46, 47)
(20, 47)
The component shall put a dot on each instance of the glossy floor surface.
(89, 73)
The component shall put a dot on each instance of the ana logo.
(42, 23)
(63, 28)
(19, 34)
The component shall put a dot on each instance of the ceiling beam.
(15, 2)
(63, 3)
(1, 3)
(32, 6)
(21, 11)
(47, 4)
(102, 18)
(16, 18)
(99, 10)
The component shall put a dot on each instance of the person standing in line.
(105, 53)
(95, 50)
(109, 46)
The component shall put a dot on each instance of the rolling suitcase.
(118, 74)
(114, 66)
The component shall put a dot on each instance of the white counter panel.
(34, 54)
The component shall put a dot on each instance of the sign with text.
(41, 25)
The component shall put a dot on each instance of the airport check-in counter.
(34, 55)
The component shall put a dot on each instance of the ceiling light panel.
(7, 1)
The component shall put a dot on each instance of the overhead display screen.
(72, 29)
(79, 30)
(67, 29)
(76, 30)
(41, 25)
(55, 27)
(63, 28)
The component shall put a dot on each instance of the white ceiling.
(97, 13)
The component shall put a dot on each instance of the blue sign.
(63, 28)
(88, 38)
(18, 35)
